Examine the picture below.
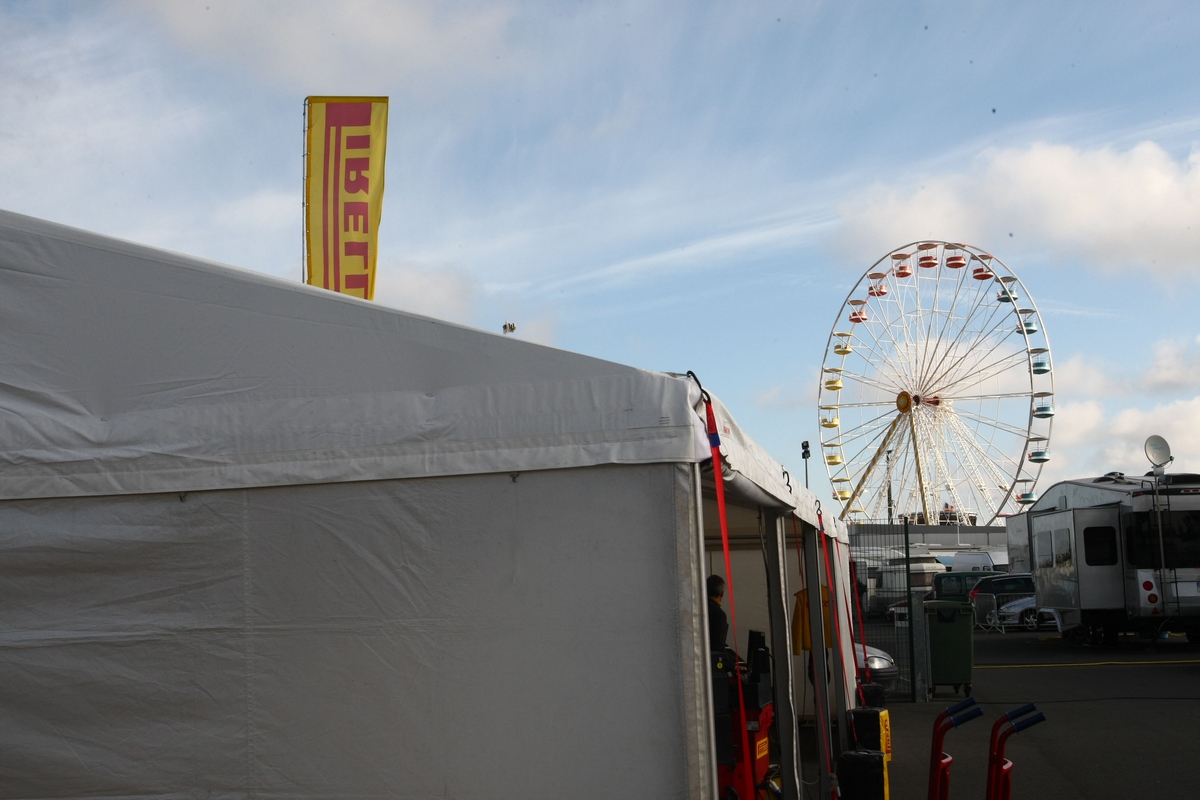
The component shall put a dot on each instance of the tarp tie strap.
(822, 730)
(862, 629)
(714, 441)
(835, 615)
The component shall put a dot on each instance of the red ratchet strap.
(835, 614)
(714, 441)
(862, 629)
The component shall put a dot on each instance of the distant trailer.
(1096, 550)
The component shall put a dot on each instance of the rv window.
(1062, 548)
(1045, 559)
(952, 585)
(1180, 534)
(1100, 546)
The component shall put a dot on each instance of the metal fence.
(879, 562)
(993, 612)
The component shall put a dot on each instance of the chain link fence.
(880, 563)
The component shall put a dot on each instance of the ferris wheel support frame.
(871, 467)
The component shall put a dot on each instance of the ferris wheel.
(937, 390)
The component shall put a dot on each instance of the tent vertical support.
(781, 645)
(840, 670)
(708, 763)
(820, 667)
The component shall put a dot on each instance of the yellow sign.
(885, 733)
(764, 748)
(343, 191)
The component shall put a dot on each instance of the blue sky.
(670, 185)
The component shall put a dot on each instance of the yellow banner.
(343, 174)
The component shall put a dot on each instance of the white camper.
(1096, 549)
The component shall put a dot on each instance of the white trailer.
(1096, 549)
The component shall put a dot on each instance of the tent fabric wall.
(469, 637)
(203, 464)
(128, 369)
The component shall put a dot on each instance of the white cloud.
(442, 293)
(1087, 377)
(80, 124)
(1138, 207)
(1174, 368)
(1088, 441)
(348, 46)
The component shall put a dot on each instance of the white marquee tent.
(258, 538)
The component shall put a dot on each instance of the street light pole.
(805, 454)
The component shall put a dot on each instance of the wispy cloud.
(318, 47)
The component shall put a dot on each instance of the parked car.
(1024, 612)
(992, 593)
(883, 667)
(1003, 585)
(958, 585)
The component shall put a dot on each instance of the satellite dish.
(1158, 451)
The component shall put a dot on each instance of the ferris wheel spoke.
(958, 398)
(950, 317)
(941, 448)
(922, 485)
(992, 369)
(967, 450)
(1002, 481)
(883, 364)
(959, 330)
(995, 423)
(902, 371)
(964, 330)
(869, 381)
(877, 404)
(868, 431)
(882, 358)
(891, 430)
(946, 369)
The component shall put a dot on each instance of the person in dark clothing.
(718, 623)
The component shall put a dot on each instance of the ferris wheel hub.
(904, 402)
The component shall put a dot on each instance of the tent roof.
(129, 369)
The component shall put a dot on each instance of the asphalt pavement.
(1122, 721)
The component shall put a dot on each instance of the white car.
(883, 667)
(1023, 612)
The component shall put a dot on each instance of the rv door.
(1101, 578)
(1054, 574)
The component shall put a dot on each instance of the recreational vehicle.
(1096, 548)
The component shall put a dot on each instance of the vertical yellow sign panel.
(347, 141)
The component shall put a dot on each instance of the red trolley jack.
(999, 770)
(939, 760)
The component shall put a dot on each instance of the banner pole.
(304, 198)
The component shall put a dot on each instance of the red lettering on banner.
(354, 213)
(358, 142)
(357, 281)
(356, 174)
(338, 116)
(356, 249)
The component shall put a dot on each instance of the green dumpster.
(950, 628)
